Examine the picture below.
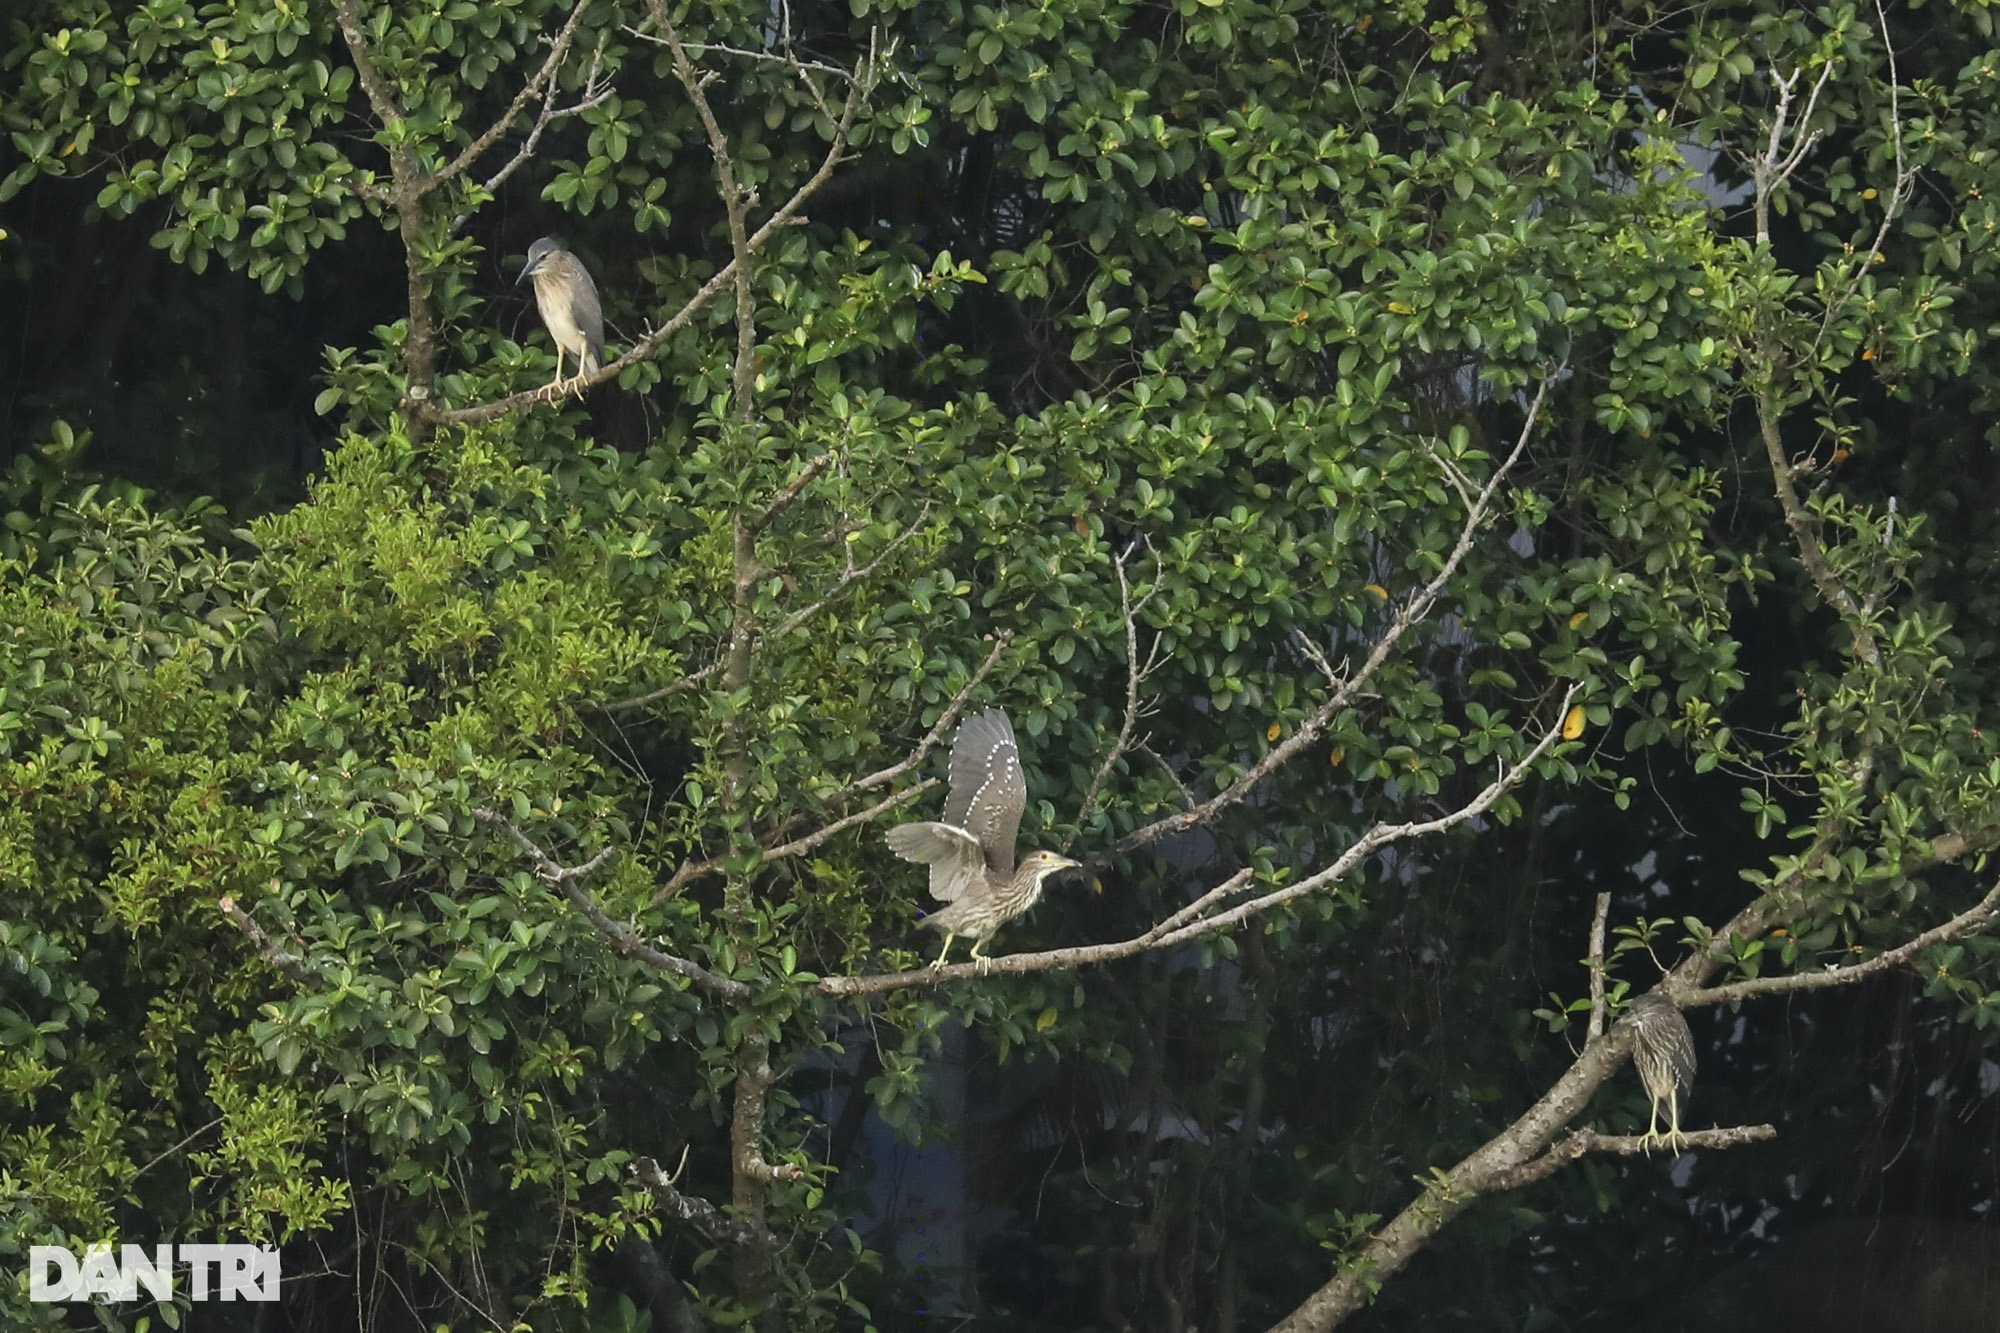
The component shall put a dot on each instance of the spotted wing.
(988, 789)
(952, 854)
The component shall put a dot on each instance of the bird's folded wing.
(952, 854)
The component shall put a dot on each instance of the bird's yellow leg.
(1651, 1137)
(980, 958)
(1675, 1139)
(948, 938)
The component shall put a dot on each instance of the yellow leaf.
(1046, 1020)
(1401, 308)
(1576, 621)
(1573, 722)
(1379, 591)
(1339, 755)
(1868, 193)
(1275, 732)
(1096, 885)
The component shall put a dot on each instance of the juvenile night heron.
(1663, 1052)
(567, 299)
(971, 853)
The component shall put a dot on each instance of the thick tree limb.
(405, 199)
(711, 1221)
(1595, 961)
(1523, 1151)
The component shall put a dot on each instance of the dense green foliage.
(1218, 312)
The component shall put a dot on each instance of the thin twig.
(695, 868)
(545, 75)
(849, 577)
(1135, 676)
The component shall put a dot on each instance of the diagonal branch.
(1196, 922)
(273, 953)
(785, 216)
(543, 76)
(849, 577)
(1969, 922)
(623, 940)
(1412, 613)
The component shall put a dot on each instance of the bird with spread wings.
(971, 852)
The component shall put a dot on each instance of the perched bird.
(1663, 1051)
(971, 854)
(567, 299)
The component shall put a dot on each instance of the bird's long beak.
(526, 269)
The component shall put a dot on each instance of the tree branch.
(1184, 926)
(1135, 676)
(849, 577)
(625, 942)
(1412, 613)
(473, 151)
(786, 214)
(1595, 961)
(1579, 1142)
(711, 1221)
(693, 869)
(273, 953)
(1969, 922)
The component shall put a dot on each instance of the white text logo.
(215, 1272)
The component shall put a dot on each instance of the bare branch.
(1969, 922)
(1411, 614)
(273, 953)
(1584, 1141)
(624, 941)
(939, 730)
(712, 1222)
(643, 350)
(784, 498)
(1805, 534)
(1182, 928)
(1777, 164)
(1596, 964)
(543, 76)
(1135, 676)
